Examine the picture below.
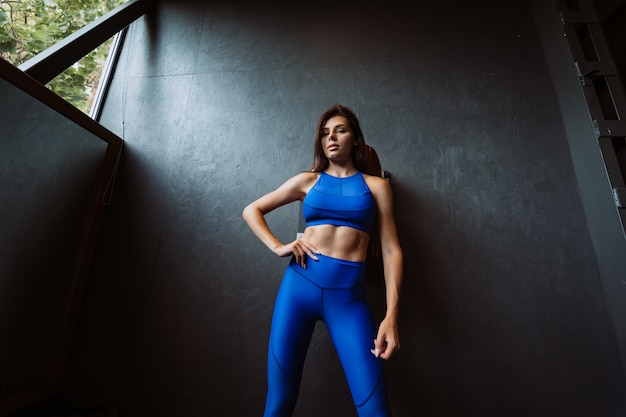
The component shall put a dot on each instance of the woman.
(325, 278)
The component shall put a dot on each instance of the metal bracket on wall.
(619, 194)
(590, 71)
(603, 90)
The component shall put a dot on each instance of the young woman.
(342, 205)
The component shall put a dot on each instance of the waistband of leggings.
(329, 272)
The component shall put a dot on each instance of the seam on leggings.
(380, 371)
(322, 290)
(305, 277)
(280, 366)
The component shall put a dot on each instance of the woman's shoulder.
(306, 176)
(375, 181)
(377, 185)
(302, 180)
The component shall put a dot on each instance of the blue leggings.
(333, 291)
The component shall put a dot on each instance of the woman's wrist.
(392, 316)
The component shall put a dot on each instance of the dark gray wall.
(593, 168)
(49, 168)
(503, 311)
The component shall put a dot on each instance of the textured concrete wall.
(502, 313)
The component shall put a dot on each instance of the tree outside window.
(28, 27)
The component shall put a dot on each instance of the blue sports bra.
(340, 202)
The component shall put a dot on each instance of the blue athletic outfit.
(333, 291)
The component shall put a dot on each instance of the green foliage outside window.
(28, 27)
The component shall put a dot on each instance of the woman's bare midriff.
(339, 242)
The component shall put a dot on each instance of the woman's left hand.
(300, 250)
(387, 340)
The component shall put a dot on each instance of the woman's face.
(337, 139)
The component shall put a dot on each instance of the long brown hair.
(363, 156)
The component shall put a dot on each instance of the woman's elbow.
(247, 212)
(392, 250)
(251, 212)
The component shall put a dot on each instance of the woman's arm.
(293, 189)
(387, 340)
